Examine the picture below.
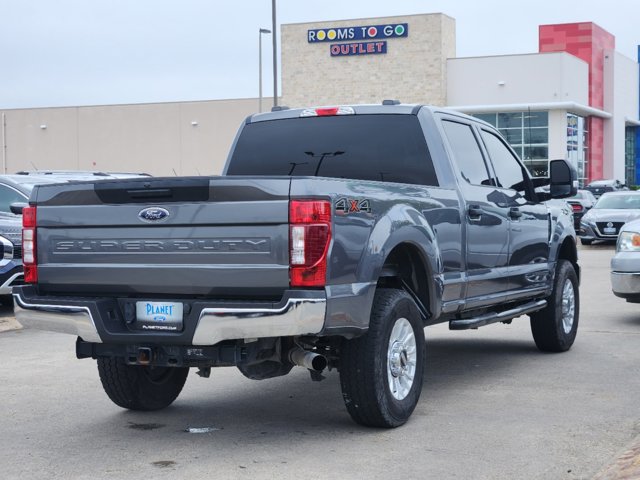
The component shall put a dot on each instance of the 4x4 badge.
(153, 214)
(345, 206)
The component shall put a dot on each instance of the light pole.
(275, 53)
(262, 30)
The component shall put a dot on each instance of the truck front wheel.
(140, 388)
(381, 372)
(554, 328)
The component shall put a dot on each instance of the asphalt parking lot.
(493, 407)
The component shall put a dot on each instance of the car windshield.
(624, 202)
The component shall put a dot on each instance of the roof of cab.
(389, 107)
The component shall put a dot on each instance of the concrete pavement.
(493, 407)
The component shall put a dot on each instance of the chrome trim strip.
(6, 287)
(7, 250)
(72, 320)
(298, 316)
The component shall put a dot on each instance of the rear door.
(529, 221)
(486, 219)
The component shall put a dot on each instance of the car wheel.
(381, 372)
(554, 328)
(139, 387)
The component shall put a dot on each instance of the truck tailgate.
(208, 236)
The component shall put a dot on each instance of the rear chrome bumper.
(298, 316)
(294, 316)
(69, 319)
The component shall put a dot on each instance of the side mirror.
(564, 179)
(16, 207)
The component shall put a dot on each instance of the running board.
(494, 317)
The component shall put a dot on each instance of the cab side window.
(508, 170)
(467, 153)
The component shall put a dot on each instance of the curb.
(625, 467)
(8, 324)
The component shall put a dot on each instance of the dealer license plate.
(609, 230)
(165, 316)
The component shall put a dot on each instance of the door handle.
(515, 213)
(475, 212)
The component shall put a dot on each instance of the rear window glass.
(387, 148)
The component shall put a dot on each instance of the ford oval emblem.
(153, 214)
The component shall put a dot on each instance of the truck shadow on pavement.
(629, 319)
(293, 405)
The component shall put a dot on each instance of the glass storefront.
(630, 155)
(528, 134)
(577, 145)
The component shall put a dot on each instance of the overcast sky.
(88, 52)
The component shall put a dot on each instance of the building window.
(528, 134)
(630, 155)
(577, 145)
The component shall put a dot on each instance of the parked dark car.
(599, 187)
(581, 203)
(11, 258)
(608, 215)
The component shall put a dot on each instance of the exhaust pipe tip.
(312, 361)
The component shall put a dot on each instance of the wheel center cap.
(398, 359)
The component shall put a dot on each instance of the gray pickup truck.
(333, 237)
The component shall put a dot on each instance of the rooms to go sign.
(370, 32)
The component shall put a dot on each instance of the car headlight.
(628, 242)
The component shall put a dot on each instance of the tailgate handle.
(146, 193)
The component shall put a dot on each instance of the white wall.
(155, 138)
(530, 78)
(621, 100)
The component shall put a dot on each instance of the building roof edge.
(573, 107)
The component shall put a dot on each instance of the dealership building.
(575, 98)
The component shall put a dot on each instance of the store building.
(576, 98)
(578, 87)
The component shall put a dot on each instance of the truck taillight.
(310, 235)
(29, 245)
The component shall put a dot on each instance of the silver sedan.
(625, 264)
(609, 214)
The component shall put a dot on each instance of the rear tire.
(381, 372)
(554, 328)
(140, 388)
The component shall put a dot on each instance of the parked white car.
(625, 265)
